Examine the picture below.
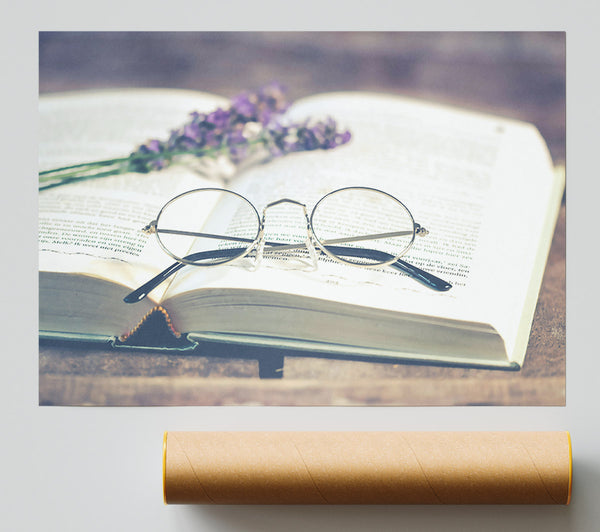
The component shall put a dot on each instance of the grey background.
(99, 469)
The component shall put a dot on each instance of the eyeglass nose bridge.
(309, 237)
(285, 200)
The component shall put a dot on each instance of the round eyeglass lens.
(363, 226)
(207, 226)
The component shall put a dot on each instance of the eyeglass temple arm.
(141, 292)
(418, 274)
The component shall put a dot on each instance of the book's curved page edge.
(429, 106)
(76, 337)
(310, 348)
(537, 275)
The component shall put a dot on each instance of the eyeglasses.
(359, 226)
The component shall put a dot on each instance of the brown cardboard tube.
(367, 467)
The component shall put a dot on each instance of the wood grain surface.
(519, 75)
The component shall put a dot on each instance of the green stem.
(68, 174)
(92, 164)
(145, 156)
(75, 173)
(67, 180)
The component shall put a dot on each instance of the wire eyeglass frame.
(312, 243)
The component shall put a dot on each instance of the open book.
(484, 187)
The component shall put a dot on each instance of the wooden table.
(520, 75)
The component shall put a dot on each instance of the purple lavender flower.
(251, 122)
(252, 126)
(192, 131)
(146, 158)
(219, 118)
(306, 137)
(243, 105)
(273, 94)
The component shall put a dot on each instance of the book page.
(473, 181)
(94, 227)
(87, 126)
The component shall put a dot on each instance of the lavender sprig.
(251, 127)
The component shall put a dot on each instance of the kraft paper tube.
(367, 467)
